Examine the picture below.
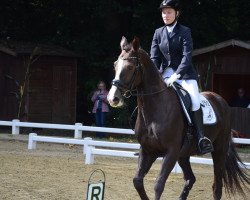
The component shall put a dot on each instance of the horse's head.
(127, 72)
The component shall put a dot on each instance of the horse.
(161, 127)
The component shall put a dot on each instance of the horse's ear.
(123, 42)
(136, 44)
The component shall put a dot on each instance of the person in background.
(101, 107)
(240, 100)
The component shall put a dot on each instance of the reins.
(129, 89)
(142, 93)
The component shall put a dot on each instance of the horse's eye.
(130, 67)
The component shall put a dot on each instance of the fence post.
(89, 160)
(177, 168)
(78, 133)
(86, 144)
(15, 129)
(89, 157)
(32, 142)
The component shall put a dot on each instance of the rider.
(171, 52)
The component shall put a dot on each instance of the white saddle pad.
(209, 116)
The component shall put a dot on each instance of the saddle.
(209, 117)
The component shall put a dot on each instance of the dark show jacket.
(176, 48)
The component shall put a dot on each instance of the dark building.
(50, 90)
(223, 68)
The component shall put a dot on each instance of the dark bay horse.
(161, 127)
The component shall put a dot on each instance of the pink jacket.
(105, 107)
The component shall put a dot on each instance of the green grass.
(243, 149)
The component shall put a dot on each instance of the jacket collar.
(171, 28)
(175, 30)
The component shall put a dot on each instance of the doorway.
(227, 85)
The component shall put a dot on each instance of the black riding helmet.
(170, 4)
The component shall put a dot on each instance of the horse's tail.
(235, 176)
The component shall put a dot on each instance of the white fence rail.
(78, 128)
(241, 141)
(90, 146)
(120, 149)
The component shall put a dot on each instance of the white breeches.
(190, 85)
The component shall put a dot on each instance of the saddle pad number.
(209, 116)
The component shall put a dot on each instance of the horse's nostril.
(116, 99)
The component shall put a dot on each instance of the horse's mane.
(149, 62)
(145, 56)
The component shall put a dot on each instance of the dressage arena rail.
(90, 145)
(77, 128)
(118, 149)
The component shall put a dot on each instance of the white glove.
(172, 79)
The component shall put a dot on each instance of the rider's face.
(168, 15)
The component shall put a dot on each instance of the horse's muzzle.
(114, 97)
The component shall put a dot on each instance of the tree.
(96, 27)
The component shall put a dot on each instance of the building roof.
(15, 48)
(222, 45)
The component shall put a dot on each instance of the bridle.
(129, 89)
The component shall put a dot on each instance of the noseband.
(129, 89)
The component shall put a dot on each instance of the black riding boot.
(204, 144)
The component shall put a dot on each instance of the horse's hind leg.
(188, 176)
(145, 162)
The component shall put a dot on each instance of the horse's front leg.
(145, 162)
(168, 163)
(188, 177)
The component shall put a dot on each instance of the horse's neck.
(153, 83)
(152, 80)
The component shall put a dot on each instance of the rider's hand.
(172, 79)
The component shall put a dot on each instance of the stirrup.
(204, 139)
(208, 146)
